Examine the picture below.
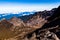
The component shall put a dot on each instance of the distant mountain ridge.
(10, 15)
(23, 15)
(44, 14)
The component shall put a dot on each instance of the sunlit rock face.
(5, 23)
(36, 22)
(5, 31)
(16, 22)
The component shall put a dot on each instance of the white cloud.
(3, 15)
(0, 16)
(22, 8)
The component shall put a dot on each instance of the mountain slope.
(38, 26)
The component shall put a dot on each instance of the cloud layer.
(16, 8)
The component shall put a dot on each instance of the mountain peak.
(16, 21)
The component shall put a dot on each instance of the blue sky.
(15, 6)
(31, 1)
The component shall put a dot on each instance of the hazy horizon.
(16, 6)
